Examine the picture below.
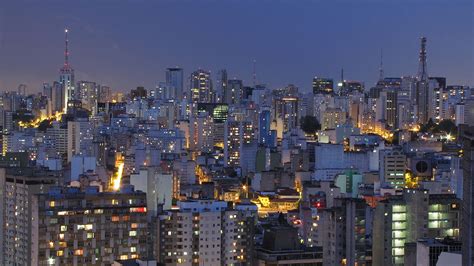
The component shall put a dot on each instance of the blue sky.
(125, 44)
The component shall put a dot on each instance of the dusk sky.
(125, 44)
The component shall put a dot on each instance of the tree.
(45, 124)
(310, 125)
(446, 126)
(428, 127)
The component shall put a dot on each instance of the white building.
(206, 232)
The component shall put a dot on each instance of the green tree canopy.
(446, 126)
(310, 125)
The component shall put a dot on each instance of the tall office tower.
(389, 103)
(17, 233)
(87, 92)
(74, 227)
(422, 87)
(264, 131)
(234, 91)
(57, 98)
(138, 93)
(201, 87)
(221, 85)
(174, 77)
(342, 232)
(104, 94)
(6, 121)
(349, 87)
(392, 167)
(236, 134)
(323, 86)
(403, 219)
(48, 91)
(258, 94)
(286, 111)
(206, 232)
(467, 164)
(163, 91)
(80, 137)
(66, 75)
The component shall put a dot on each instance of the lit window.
(132, 233)
(78, 252)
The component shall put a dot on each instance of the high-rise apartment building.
(286, 111)
(236, 134)
(18, 212)
(332, 118)
(80, 138)
(342, 232)
(174, 78)
(405, 218)
(206, 232)
(87, 93)
(74, 227)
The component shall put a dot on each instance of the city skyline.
(237, 133)
(101, 53)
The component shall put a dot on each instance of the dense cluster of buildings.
(207, 170)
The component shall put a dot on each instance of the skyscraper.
(221, 85)
(403, 219)
(264, 127)
(18, 188)
(233, 91)
(66, 75)
(201, 87)
(174, 77)
(236, 134)
(87, 93)
(323, 86)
